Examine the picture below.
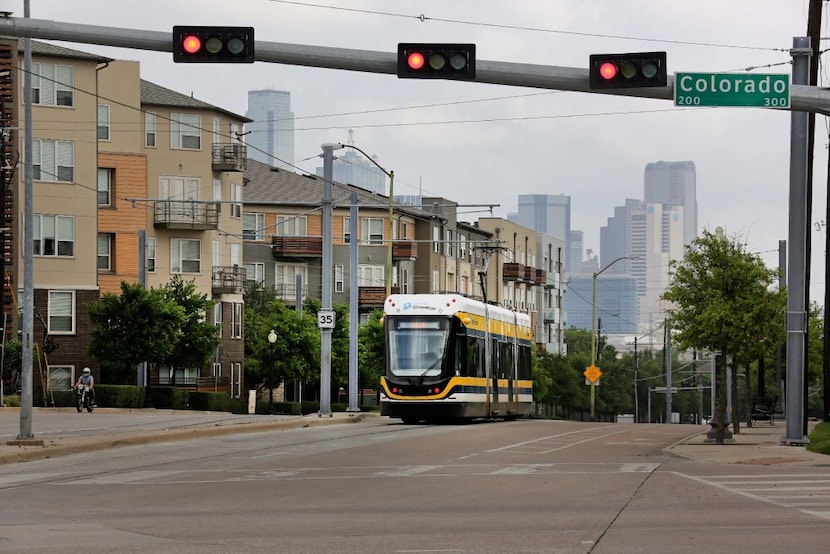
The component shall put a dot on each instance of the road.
(380, 486)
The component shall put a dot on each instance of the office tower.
(616, 307)
(351, 167)
(270, 137)
(674, 184)
(550, 214)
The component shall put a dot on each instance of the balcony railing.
(215, 384)
(373, 296)
(229, 156)
(228, 280)
(185, 214)
(550, 315)
(513, 271)
(296, 246)
(404, 249)
(541, 277)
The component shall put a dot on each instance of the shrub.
(11, 401)
(820, 439)
(168, 397)
(208, 401)
(119, 396)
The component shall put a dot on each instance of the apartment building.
(151, 177)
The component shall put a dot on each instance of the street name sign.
(770, 90)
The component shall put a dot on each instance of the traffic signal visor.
(200, 44)
(639, 69)
(437, 61)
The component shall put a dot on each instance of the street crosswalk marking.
(808, 493)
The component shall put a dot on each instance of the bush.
(119, 396)
(11, 401)
(167, 397)
(208, 401)
(820, 439)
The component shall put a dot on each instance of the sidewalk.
(757, 445)
(61, 431)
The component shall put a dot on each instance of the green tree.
(136, 326)
(198, 337)
(370, 354)
(721, 301)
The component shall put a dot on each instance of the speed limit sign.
(325, 319)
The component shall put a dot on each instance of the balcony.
(529, 274)
(541, 276)
(229, 156)
(296, 246)
(513, 272)
(551, 280)
(550, 315)
(185, 214)
(373, 296)
(228, 280)
(404, 250)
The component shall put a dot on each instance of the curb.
(74, 445)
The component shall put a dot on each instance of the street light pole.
(272, 338)
(594, 329)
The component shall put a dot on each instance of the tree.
(370, 354)
(136, 326)
(721, 301)
(198, 337)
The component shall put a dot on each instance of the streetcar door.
(510, 370)
(496, 370)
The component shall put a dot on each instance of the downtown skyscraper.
(270, 137)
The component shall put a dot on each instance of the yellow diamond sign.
(592, 373)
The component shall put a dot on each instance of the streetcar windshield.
(416, 345)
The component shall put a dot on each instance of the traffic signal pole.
(802, 97)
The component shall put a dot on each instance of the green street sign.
(732, 89)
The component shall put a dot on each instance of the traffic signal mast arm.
(802, 97)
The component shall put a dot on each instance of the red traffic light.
(437, 61)
(632, 70)
(195, 44)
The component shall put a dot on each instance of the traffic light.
(437, 61)
(200, 44)
(638, 69)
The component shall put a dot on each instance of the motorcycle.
(83, 398)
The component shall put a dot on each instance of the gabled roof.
(46, 49)
(157, 95)
(265, 184)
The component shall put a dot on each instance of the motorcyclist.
(87, 379)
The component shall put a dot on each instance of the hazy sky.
(482, 144)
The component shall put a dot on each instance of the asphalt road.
(380, 486)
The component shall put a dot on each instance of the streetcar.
(449, 357)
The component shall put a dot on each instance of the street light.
(594, 329)
(272, 338)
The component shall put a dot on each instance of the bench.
(763, 411)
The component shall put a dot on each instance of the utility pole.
(327, 268)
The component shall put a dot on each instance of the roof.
(46, 49)
(157, 95)
(265, 184)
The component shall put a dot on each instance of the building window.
(217, 314)
(254, 273)
(61, 312)
(462, 247)
(236, 198)
(54, 235)
(436, 240)
(185, 131)
(370, 276)
(253, 227)
(291, 226)
(151, 254)
(372, 230)
(236, 321)
(60, 377)
(103, 122)
(53, 160)
(285, 280)
(105, 186)
(185, 256)
(347, 230)
(448, 249)
(338, 278)
(436, 282)
(150, 130)
(106, 242)
(52, 85)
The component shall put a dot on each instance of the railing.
(229, 156)
(296, 246)
(185, 214)
(550, 315)
(541, 277)
(512, 271)
(404, 249)
(373, 296)
(217, 384)
(229, 279)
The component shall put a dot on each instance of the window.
(217, 314)
(105, 186)
(253, 227)
(150, 130)
(436, 240)
(106, 242)
(338, 278)
(185, 131)
(370, 276)
(60, 377)
(103, 122)
(285, 280)
(236, 198)
(462, 247)
(254, 273)
(448, 247)
(347, 230)
(291, 226)
(185, 256)
(54, 235)
(372, 230)
(53, 160)
(151, 254)
(61, 312)
(52, 84)
(236, 321)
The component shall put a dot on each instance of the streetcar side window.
(505, 360)
(525, 355)
(475, 357)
